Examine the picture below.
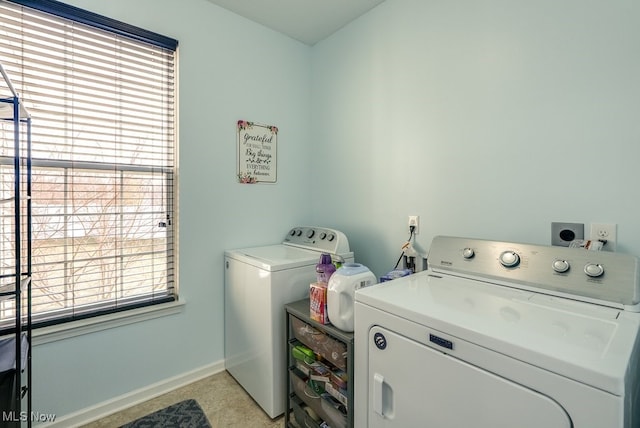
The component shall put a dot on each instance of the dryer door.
(413, 385)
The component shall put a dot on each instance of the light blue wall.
(488, 118)
(230, 69)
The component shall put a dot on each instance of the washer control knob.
(560, 266)
(323, 235)
(310, 233)
(298, 232)
(593, 270)
(509, 259)
(468, 253)
(331, 237)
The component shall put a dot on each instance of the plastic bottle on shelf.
(324, 268)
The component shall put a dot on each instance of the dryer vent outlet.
(563, 233)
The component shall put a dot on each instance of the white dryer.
(259, 281)
(501, 335)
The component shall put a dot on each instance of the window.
(101, 95)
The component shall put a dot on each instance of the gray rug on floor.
(186, 414)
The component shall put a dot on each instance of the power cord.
(412, 229)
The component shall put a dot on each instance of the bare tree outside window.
(102, 108)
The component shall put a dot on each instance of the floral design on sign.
(257, 152)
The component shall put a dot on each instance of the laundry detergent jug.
(341, 293)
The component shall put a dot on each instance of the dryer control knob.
(331, 237)
(323, 235)
(560, 266)
(509, 259)
(310, 233)
(468, 253)
(593, 270)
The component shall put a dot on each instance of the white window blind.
(101, 98)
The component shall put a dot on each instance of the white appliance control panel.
(612, 279)
(318, 239)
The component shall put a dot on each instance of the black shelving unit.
(15, 257)
(308, 404)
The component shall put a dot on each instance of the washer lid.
(589, 343)
(275, 257)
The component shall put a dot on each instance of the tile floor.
(223, 400)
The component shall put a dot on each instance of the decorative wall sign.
(257, 152)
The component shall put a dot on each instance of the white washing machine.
(501, 335)
(259, 281)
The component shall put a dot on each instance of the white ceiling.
(308, 21)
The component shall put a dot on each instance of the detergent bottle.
(324, 268)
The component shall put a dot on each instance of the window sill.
(68, 330)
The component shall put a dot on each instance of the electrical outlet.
(414, 220)
(605, 232)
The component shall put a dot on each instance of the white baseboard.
(132, 398)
